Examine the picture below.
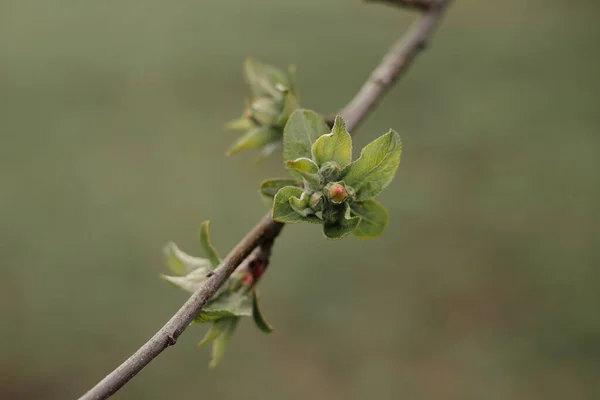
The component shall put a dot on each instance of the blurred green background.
(485, 286)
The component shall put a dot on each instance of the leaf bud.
(330, 171)
(336, 192)
(316, 201)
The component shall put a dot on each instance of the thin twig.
(395, 62)
(384, 76)
(264, 231)
(422, 5)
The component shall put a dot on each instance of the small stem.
(422, 5)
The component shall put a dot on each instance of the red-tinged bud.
(335, 192)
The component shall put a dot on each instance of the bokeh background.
(485, 286)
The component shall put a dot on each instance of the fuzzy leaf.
(306, 169)
(256, 137)
(226, 328)
(227, 304)
(301, 205)
(193, 280)
(240, 124)
(207, 246)
(259, 319)
(373, 218)
(283, 211)
(376, 167)
(290, 103)
(270, 187)
(335, 146)
(340, 228)
(292, 80)
(211, 334)
(263, 79)
(300, 132)
(181, 263)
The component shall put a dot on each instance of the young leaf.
(373, 218)
(302, 205)
(240, 124)
(283, 211)
(305, 168)
(340, 228)
(192, 281)
(270, 187)
(335, 146)
(227, 304)
(220, 343)
(210, 335)
(290, 103)
(300, 132)
(207, 246)
(376, 167)
(181, 263)
(255, 138)
(263, 78)
(259, 319)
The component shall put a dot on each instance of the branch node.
(171, 340)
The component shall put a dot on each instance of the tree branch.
(264, 233)
(395, 62)
(422, 5)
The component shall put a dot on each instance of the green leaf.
(290, 103)
(292, 80)
(283, 211)
(207, 246)
(226, 328)
(300, 132)
(340, 228)
(306, 169)
(192, 281)
(255, 138)
(302, 205)
(181, 263)
(227, 304)
(373, 218)
(259, 319)
(240, 124)
(376, 167)
(211, 334)
(270, 187)
(335, 146)
(263, 79)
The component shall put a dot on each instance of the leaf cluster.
(235, 299)
(274, 98)
(328, 187)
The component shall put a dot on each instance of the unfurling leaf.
(263, 78)
(340, 228)
(283, 210)
(181, 263)
(270, 187)
(193, 280)
(255, 138)
(207, 246)
(302, 129)
(259, 319)
(240, 124)
(306, 169)
(335, 146)
(373, 218)
(220, 335)
(227, 304)
(376, 167)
